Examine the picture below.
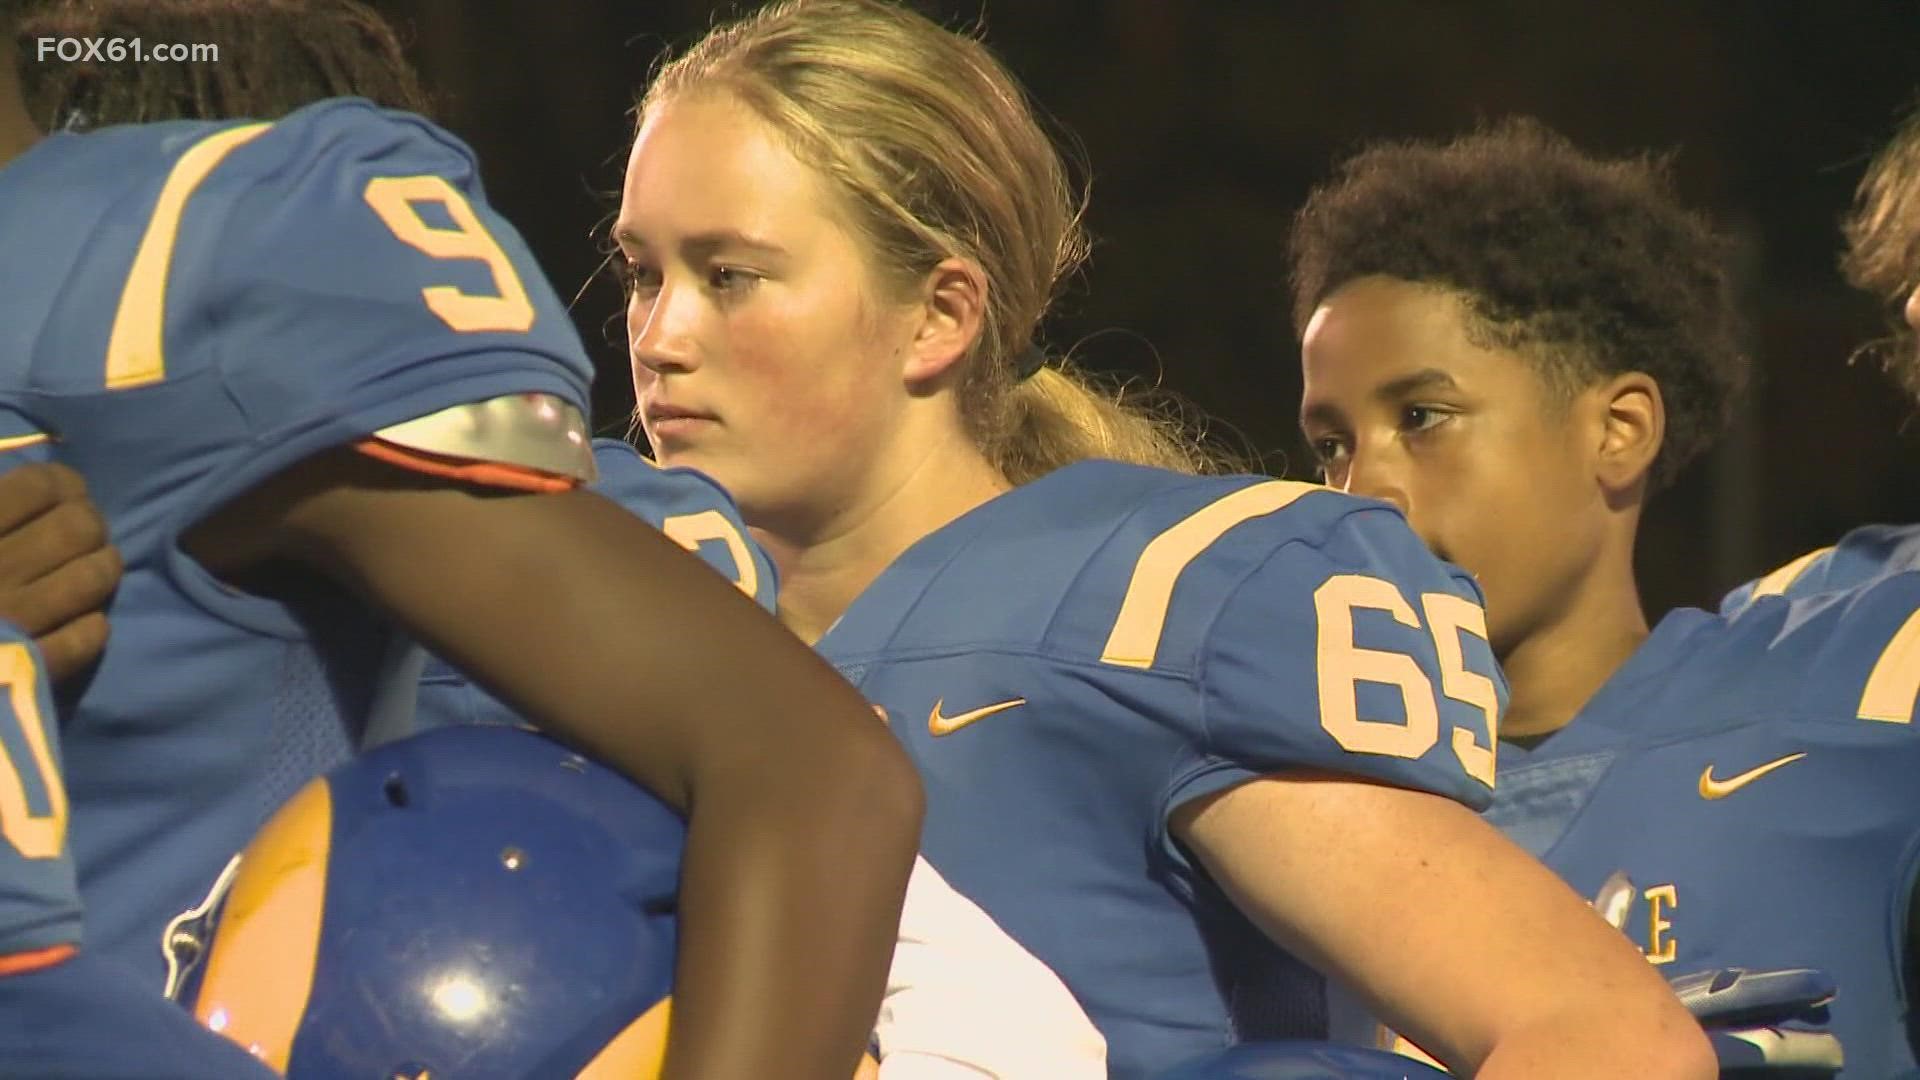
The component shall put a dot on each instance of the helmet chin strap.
(184, 942)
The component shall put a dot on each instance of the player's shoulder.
(651, 491)
(1104, 510)
(1127, 566)
(693, 510)
(399, 255)
(318, 136)
(1854, 649)
(319, 154)
(1857, 558)
(339, 129)
(1143, 503)
(75, 198)
(132, 149)
(281, 167)
(1826, 655)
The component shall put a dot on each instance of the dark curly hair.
(275, 56)
(11, 12)
(1588, 267)
(1883, 243)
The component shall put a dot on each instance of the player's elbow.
(1650, 1036)
(1692, 1054)
(1664, 1039)
(1684, 1046)
(1670, 1046)
(890, 802)
(844, 779)
(887, 785)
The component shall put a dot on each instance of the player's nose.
(661, 337)
(1372, 476)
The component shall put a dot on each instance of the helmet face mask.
(471, 901)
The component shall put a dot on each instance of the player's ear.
(1633, 423)
(950, 317)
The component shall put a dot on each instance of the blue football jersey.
(67, 1013)
(1075, 659)
(39, 896)
(682, 503)
(1742, 794)
(1860, 556)
(191, 308)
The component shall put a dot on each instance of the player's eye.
(636, 278)
(731, 279)
(1418, 418)
(1328, 450)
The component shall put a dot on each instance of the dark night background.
(1205, 123)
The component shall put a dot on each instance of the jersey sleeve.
(311, 282)
(1354, 652)
(39, 893)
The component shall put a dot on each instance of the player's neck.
(826, 563)
(1557, 667)
(17, 131)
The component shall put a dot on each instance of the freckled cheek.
(771, 396)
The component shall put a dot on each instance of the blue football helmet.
(1290, 1060)
(473, 901)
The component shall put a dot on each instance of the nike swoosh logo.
(947, 725)
(1720, 789)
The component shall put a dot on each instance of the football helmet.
(473, 901)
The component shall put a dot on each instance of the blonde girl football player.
(1192, 741)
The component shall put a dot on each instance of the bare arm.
(1455, 936)
(804, 814)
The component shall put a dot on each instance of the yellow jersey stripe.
(134, 354)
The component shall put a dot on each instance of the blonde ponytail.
(1060, 415)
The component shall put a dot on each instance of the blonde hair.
(935, 151)
(1883, 231)
(1883, 244)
